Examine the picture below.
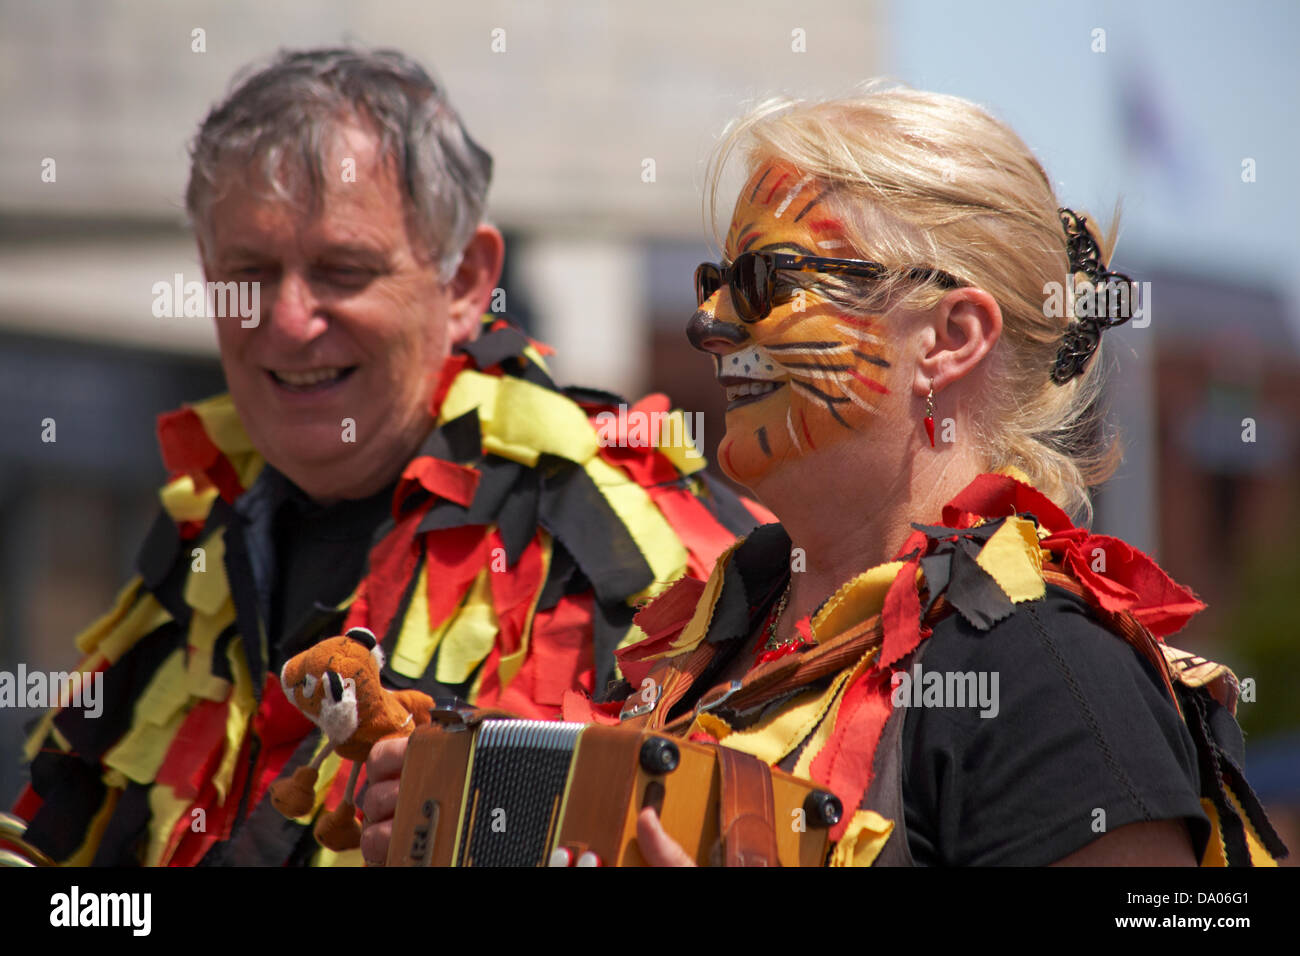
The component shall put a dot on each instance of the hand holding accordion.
(478, 790)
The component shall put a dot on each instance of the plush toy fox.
(336, 685)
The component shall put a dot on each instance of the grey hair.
(279, 119)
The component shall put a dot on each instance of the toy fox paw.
(295, 796)
(339, 829)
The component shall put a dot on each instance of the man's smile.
(310, 380)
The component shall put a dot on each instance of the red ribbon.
(188, 450)
(1116, 576)
(1119, 577)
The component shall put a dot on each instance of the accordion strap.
(746, 810)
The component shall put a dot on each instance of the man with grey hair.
(291, 187)
(388, 457)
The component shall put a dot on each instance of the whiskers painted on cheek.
(861, 335)
(828, 373)
(825, 399)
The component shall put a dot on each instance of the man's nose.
(295, 308)
(708, 333)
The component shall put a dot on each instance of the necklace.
(772, 643)
(772, 649)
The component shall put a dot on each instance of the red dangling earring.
(929, 414)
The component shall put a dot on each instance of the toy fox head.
(336, 684)
(327, 681)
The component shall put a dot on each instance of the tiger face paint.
(809, 374)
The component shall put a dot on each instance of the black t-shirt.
(1082, 724)
(321, 553)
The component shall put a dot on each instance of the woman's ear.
(475, 280)
(962, 330)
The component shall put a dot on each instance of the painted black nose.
(708, 333)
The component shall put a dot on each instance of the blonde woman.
(913, 382)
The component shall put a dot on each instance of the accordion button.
(562, 856)
(659, 755)
(588, 859)
(823, 808)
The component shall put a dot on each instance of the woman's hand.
(383, 771)
(656, 845)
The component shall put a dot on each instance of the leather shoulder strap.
(768, 681)
(746, 810)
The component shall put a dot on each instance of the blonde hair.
(927, 179)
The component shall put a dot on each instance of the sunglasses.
(752, 277)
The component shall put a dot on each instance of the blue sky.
(1223, 81)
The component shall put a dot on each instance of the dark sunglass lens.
(752, 285)
(708, 279)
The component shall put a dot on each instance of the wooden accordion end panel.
(533, 793)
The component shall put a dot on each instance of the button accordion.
(482, 791)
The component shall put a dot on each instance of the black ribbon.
(952, 571)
